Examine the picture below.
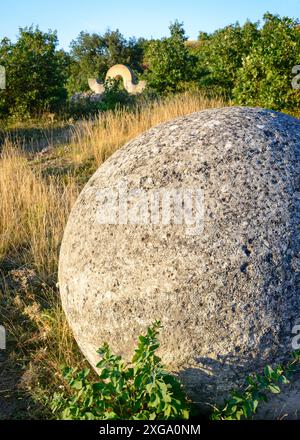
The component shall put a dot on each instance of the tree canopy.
(36, 73)
(169, 62)
(93, 54)
(250, 64)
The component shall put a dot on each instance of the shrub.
(169, 61)
(221, 54)
(266, 74)
(142, 390)
(115, 95)
(35, 74)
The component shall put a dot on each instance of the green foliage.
(35, 74)
(250, 64)
(169, 62)
(115, 95)
(141, 390)
(244, 404)
(221, 54)
(93, 54)
(266, 74)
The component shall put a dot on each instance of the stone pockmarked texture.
(227, 297)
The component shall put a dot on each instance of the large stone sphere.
(219, 266)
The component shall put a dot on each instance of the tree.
(265, 77)
(93, 54)
(169, 62)
(35, 74)
(221, 54)
(87, 61)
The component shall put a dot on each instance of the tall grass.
(111, 130)
(33, 212)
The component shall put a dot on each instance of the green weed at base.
(141, 390)
(245, 404)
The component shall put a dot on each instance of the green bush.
(251, 64)
(221, 54)
(170, 65)
(142, 390)
(266, 74)
(36, 74)
(115, 95)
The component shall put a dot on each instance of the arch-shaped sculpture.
(95, 86)
(119, 71)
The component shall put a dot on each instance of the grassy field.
(37, 191)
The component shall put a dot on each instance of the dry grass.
(113, 129)
(33, 212)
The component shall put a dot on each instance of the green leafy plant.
(139, 390)
(115, 96)
(264, 79)
(244, 404)
(36, 72)
(169, 62)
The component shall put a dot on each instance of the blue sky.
(134, 18)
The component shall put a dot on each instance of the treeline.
(250, 64)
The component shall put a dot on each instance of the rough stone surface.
(228, 297)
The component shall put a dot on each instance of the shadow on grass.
(15, 403)
(34, 139)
